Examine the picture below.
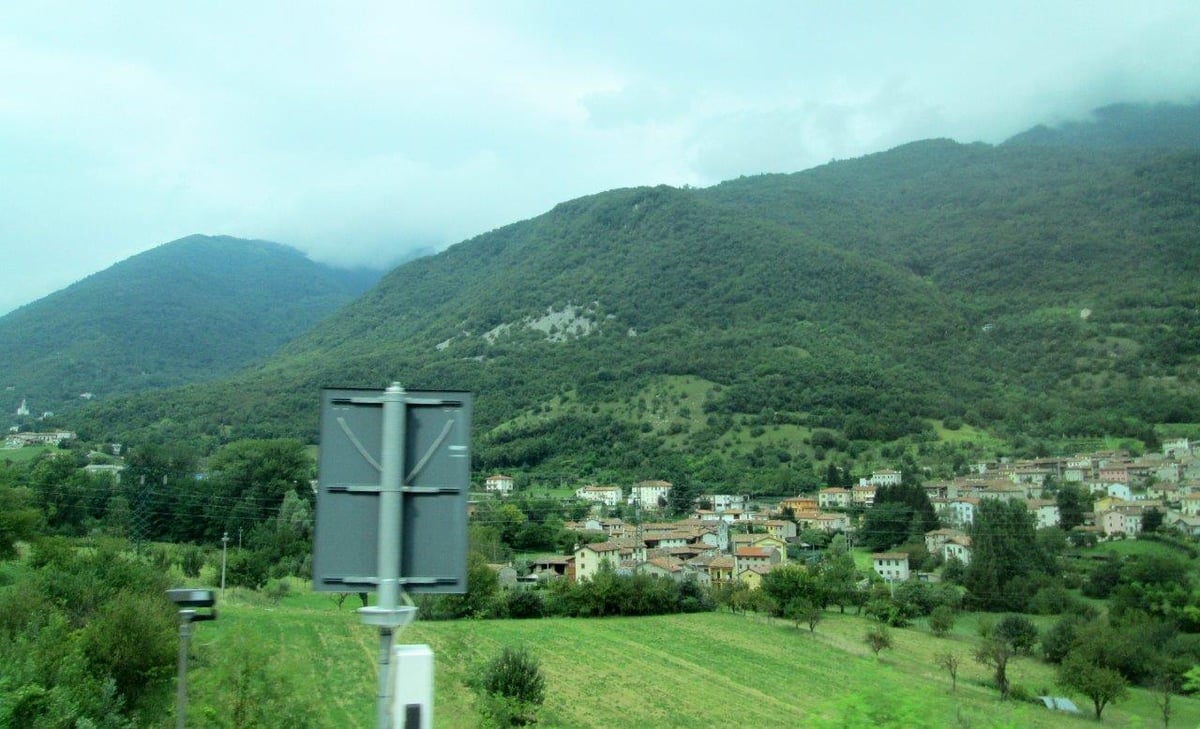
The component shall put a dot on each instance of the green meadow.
(697, 670)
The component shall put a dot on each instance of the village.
(730, 538)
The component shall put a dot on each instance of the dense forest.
(1037, 295)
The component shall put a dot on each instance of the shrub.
(1019, 632)
(524, 603)
(276, 590)
(512, 688)
(1017, 692)
(941, 620)
(192, 561)
(878, 637)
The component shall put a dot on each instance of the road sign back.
(437, 471)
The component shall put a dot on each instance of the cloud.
(357, 131)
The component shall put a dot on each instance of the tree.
(250, 479)
(682, 497)
(802, 610)
(1005, 553)
(18, 519)
(1019, 632)
(1100, 684)
(886, 525)
(1152, 519)
(949, 661)
(941, 620)
(839, 574)
(791, 582)
(512, 687)
(1165, 685)
(996, 653)
(878, 637)
(1071, 506)
(1058, 640)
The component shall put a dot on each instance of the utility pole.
(224, 549)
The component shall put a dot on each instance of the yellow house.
(721, 569)
(752, 576)
(1108, 503)
(798, 503)
(761, 541)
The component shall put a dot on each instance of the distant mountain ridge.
(1129, 126)
(191, 310)
(1034, 291)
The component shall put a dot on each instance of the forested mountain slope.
(1034, 291)
(191, 310)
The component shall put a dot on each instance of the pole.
(391, 505)
(224, 549)
(185, 634)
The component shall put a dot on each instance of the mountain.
(191, 310)
(1134, 126)
(752, 334)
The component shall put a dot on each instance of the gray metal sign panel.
(437, 472)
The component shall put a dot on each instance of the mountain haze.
(1035, 291)
(194, 309)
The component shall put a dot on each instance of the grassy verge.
(706, 669)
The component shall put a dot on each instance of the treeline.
(605, 594)
(255, 493)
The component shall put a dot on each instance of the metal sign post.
(391, 506)
(391, 514)
(188, 600)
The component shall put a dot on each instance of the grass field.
(22, 455)
(700, 670)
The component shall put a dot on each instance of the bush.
(132, 640)
(524, 603)
(1058, 640)
(276, 590)
(878, 637)
(1019, 632)
(512, 688)
(192, 561)
(941, 620)
(1017, 692)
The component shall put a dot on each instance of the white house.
(607, 495)
(886, 477)
(962, 511)
(650, 494)
(1116, 490)
(728, 502)
(833, 498)
(589, 557)
(498, 484)
(959, 548)
(1176, 447)
(1045, 512)
(891, 565)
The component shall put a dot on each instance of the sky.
(359, 131)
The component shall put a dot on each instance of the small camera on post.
(189, 599)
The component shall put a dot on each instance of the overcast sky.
(358, 130)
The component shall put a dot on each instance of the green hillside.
(1037, 294)
(195, 309)
(704, 669)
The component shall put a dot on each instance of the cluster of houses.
(728, 540)
(706, 551)
(16, 439)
